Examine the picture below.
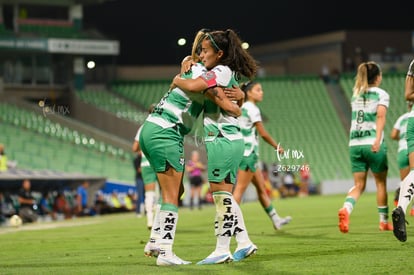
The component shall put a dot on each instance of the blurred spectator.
(82, 208)
(61, 206)
(274, 176)
(7, 208)
(195, 168)
(28, 206)
(325, 73)
(139, 182)
(46, 206)
(101, 205)
(3, 159)
(115, 203)
(5, 163)
(304, 180)
(129, 201)
(2, 214)
(289, 188)
(271, 192)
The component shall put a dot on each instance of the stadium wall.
(329, 187)
(105, 121)
(340, 51)
(146, 72)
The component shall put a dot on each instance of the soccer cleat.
(151, 250)
(343, 216)
(244, 252)
(398, 220)
(281, 222)
(213, 258)
(172, 260)
(385, 226)
(412, 212)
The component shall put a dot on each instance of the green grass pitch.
(310, 244)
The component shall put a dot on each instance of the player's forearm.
(217, 95)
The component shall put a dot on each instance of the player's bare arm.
(409, 88)
(218, 96)
(236, 94)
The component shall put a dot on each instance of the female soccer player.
(407, 186)
(162, 141)
(249, 171)
(223, 55)
(366, 145)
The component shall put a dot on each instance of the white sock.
(155, 230)
(168, 226)
(406, 191)
(149, 206)
(271, 212)
(349, 204)
(224, 221)
(240, 230)
(383, 213)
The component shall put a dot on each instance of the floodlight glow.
(181, 42)
(245, 45)
(90, 64)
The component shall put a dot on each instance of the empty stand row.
(35, 142)
(143, 93)
(112, 103)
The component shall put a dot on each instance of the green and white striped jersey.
(250, 115)
(178, 108)
(401, 126)
(410, 73)
(216, 120)
(364, 115)
(144, 160)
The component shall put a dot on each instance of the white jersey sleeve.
(137, 134)
(218, 76)
(255, 114)
(384, 98)
(411, 69)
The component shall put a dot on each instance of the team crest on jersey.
(209, 75)
(182, 161)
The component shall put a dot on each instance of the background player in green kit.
(407, 185)
(149, 178)
(223, 55)
(399, 133)
(366, 144)
(249, 171)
